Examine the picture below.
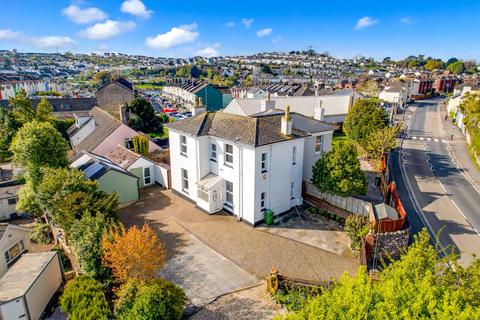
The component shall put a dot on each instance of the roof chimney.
(286, 125)
(198, 107)
(267, 104)
(319, 112)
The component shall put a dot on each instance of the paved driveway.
(255, 251)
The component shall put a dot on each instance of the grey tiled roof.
(255, 131)
(62, 104)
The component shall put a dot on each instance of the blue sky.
(186, 28)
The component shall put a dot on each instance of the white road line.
(421, 138)
(464, 216)
(414, 138)
(441, 185)
(429, 139)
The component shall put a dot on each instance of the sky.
(175, 28)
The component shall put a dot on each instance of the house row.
(453, 106)
(9, 89)
(185, 92)
(275, 90)
(246, 164)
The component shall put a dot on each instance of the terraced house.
(246, 164)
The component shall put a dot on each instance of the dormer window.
(129, 144)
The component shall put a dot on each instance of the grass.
(148, 86)
(341, 137)
(473, 157)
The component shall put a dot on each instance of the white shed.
(28, 286)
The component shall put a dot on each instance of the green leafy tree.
(86, 237)
(433, 65)
(22, 107)
(102, 77)
(66, 196)
(8, 129)
(365, 118)
(140, 145)
(382, 141)
(156, 299)
(457, 67)
(412, 64)
(418, 286)
(338, 172)
(44, 111)
(450, 61)
(62, 126)
(36, 145)
(83, 299)
(147, 121)
(470, 66)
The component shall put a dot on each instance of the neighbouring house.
(115, 94)
(110, 176)
(27, 288)
(330, 108)
(14, 240)
(246, 164)
(100, 132)
(185, 92)
(8, 199)
(453, 106)
(147, 170)
(62, 107)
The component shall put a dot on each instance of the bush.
(67, 266)
(41, 234)
(156, 299)
(357, 227)
(295, 300)
(83, 299)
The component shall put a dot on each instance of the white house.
(8, 198)
(329, 108)
(246, 164)
(455, 100)
(14, 240)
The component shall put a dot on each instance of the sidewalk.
(459, 151)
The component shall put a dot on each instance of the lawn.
(148, 86)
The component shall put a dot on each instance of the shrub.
(41, 234)
(295, 299)
(83, 299)
(155, 299)
(357, 227)
(63, 258)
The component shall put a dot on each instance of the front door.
(216, 203)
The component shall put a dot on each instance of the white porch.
(210, 191)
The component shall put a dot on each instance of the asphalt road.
(435, 193)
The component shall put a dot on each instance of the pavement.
(434, 188)
(254, 251)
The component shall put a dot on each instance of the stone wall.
(390, 244)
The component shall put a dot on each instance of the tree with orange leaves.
(136, 253)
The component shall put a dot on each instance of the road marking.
(421, 138)
(465, 217)
(441, 185)
(436, 140)
(414, 138)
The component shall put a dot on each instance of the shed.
(29, 285)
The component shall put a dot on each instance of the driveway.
(254, 251)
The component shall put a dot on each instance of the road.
(436, 194)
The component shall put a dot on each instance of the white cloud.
(365, 22)
(247, 22)
(230, 24)
(7, 34)
(83, 16)
(136, 8)
(107, 29)
(176, 36)
(210, 51)
(406, 20)
(264, 32)
(52, 41)
(39, 42)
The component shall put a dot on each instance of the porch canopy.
(209, 181)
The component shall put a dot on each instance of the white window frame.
(213, 152)
(263, 201)
(264, 162)
(228, 155)
(229, 193)
(147, 177)
(318, 144)
(15, 200)
(21, 249)
(185, 184)
(183, 145)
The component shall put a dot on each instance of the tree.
(412, 64)
(86, 235)
(457, 67)
(62, 125)
(369, 88)
(357, 228)
(37, 145)
(102, 77)
(66, 196)
(433, 65)
(365, 118)
(145, 112)
(470, 66)
(195, 71)
(133, 253)
(382, 141)
(338, 172)
(22, 107)
(44, 111)
(8, 129)
(155, 299)
(83, 299)
(140, 145)
(450, 61)
(418, 286)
